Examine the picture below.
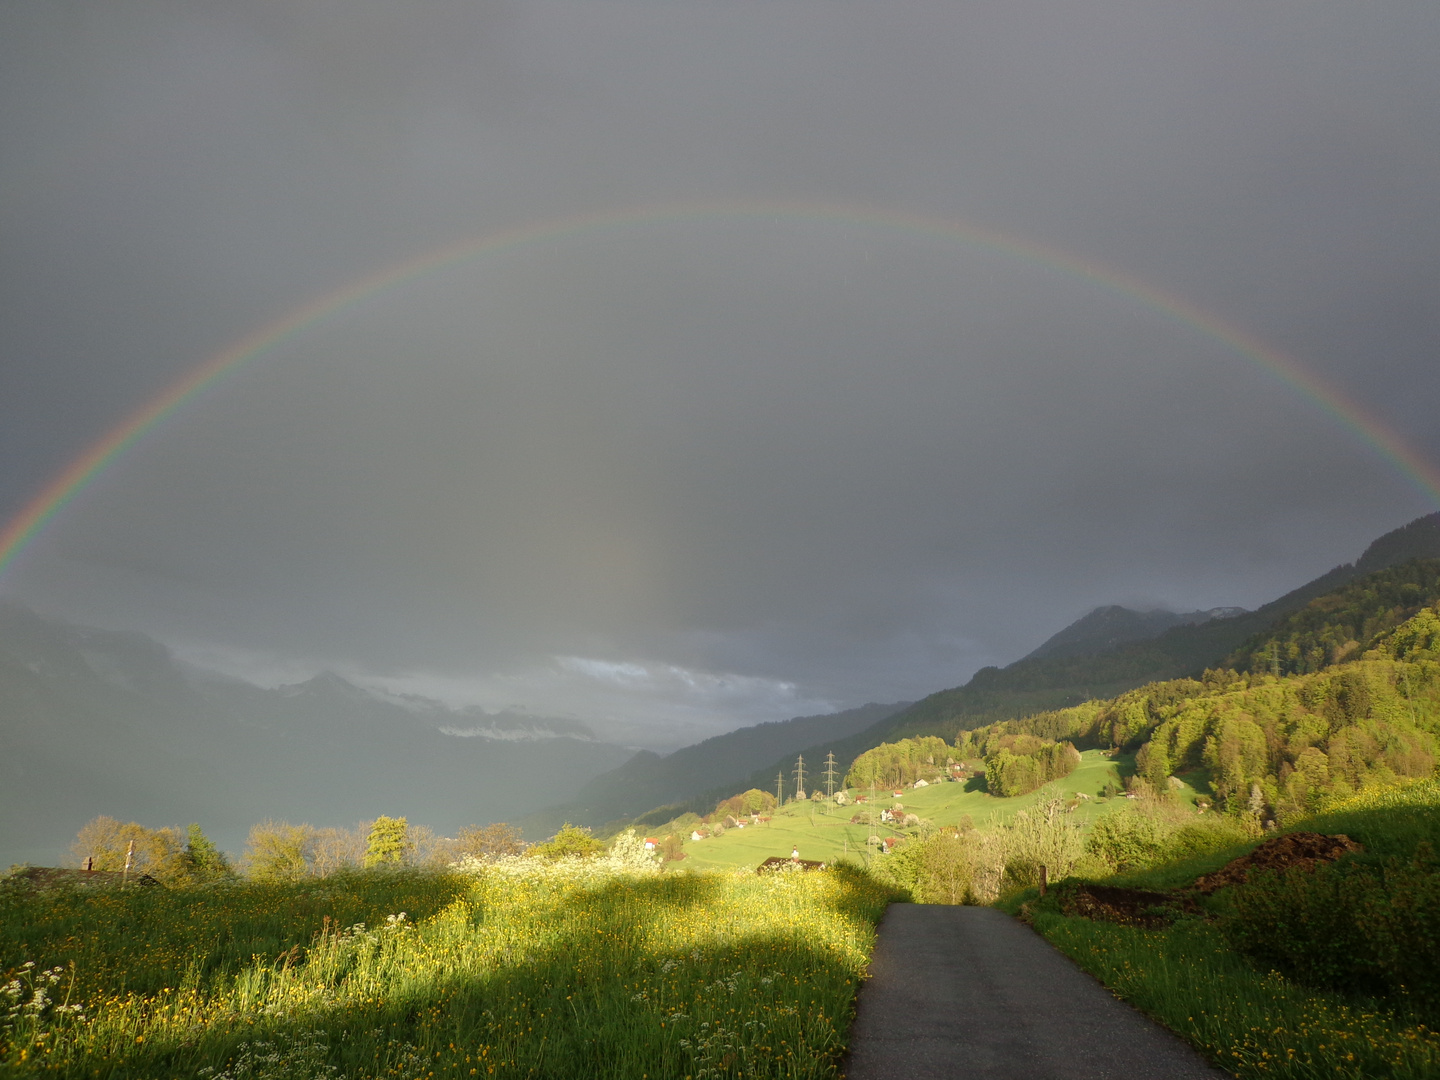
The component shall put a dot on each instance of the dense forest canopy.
(1267, 746)
(1277, 746)
(1343, 624)
(899, 763)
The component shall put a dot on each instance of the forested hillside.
(1271, 746)
(1112, 626)
(1341, 624)
(1046, 683)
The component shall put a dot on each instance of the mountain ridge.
(100, 721)
(1112, 625)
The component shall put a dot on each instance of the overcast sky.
(702, 471)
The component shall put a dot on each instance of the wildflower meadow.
(509, 968)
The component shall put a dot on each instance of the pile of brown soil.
(1302, 849)
(1129, 907)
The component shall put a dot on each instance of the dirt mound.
(1130, 907)
(1301, 849)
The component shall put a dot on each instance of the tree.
(389, 842)
(753, 801)
(205, 861)
(571, 841)
(629, 850)
(490, 842)
(333, 849)
(106, 842)
(278, 851)
(672, 849)
(946, 869)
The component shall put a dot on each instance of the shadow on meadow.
(147, 940)
(703, 975)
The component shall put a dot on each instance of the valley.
(1118, 824)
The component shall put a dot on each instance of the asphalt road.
(970, 992)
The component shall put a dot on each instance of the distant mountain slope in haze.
(1418, 540)
(1112, 626)
(705, 771)
(98, 722)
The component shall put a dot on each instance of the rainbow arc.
(25, 526)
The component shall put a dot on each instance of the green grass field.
(825, 832)
(526, 969)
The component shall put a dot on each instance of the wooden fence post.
(1042, 879)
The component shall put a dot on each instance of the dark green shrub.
(1367, 928)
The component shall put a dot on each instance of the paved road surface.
(970, 992)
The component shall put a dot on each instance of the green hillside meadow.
(824, 832)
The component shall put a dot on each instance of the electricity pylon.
(830, 776)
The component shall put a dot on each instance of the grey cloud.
(823, 456)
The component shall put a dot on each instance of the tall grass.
(1196, 978)
(525, 969)
(1253, 1023)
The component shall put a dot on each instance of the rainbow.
(26, 525)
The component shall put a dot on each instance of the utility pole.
(800, 777)
(874, 770)
(830, 776)
(779, 789)
(1275, 659)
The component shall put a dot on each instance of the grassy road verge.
(1279, 998)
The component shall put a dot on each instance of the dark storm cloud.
(701, 472)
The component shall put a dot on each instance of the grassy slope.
(826, 833)
(556, 973)
(1252, 1022)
